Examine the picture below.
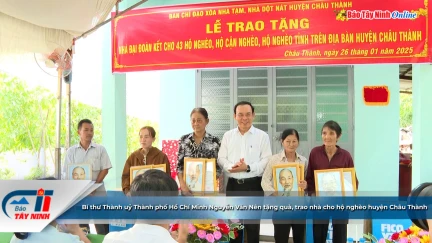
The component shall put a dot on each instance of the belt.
(244, 180)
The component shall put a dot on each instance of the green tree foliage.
(6, 173)
(406, 113)
(28, 120)
(23, 115)
(36, 173)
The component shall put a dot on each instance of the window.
(214, 90)
(302, 98)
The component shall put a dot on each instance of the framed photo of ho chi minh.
(286, 178)
(329, 182)
(194, 174)
(79, 171)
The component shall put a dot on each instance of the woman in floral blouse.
(198, 144)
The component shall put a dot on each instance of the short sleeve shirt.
(96, 155)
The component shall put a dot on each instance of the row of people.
(244, 155)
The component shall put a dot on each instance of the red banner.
(284, 33)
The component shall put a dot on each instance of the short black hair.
(289, 131)
(22, 235)
(154, 183)
(244, 103)
(80, 123)
(332, 125)
(419, 217)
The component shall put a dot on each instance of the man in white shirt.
(150, 184)
(87, 152)
(243, 155)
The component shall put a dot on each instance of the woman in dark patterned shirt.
(198, 144)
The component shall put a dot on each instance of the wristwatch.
(248, 169)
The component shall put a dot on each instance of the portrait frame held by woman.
(286, 178)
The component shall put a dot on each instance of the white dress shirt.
(253, 146)
(141, 233)
(48, 235)
(96, 155)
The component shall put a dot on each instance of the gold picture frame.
(329, 182)
(141, 169)
(134, 170)
(79, 172)
(161, 167)
(285, 178)
(350, 182)
(302, 171)
(194, 174)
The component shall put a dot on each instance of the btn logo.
(22, 202)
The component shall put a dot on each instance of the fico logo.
(23, 206)
(389, 229)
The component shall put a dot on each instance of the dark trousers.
(282, 231)
(339, 232)
(246, 187)
(101, 229)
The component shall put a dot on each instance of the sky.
(87, 78)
